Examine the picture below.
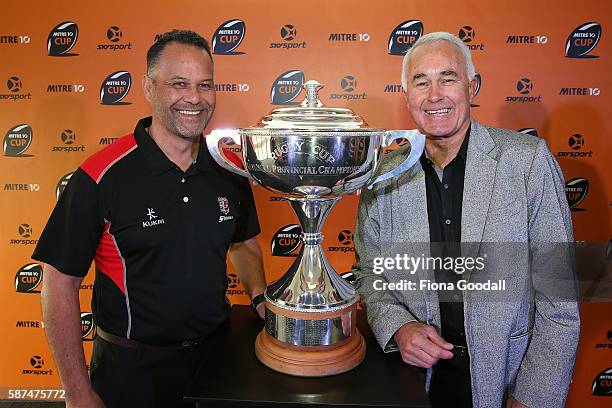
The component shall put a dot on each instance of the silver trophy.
(311, 155)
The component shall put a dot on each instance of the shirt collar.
(462, 150)
(157, 160)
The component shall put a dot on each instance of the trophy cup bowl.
(311, 155)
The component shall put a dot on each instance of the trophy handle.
(212, 142)
(417, 144)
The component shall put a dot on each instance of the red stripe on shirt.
(108, 258)
(99, 163)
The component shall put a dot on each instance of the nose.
(192, 95)
(434, 93)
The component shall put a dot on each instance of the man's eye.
(206, 86)
(178, 84)
(449, 81)
(421, 84)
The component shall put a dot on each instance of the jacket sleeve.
(546, 370)
(386, 314)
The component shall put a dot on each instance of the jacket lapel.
(478, 184)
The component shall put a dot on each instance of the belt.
(122, 341)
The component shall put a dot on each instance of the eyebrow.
(449, 72)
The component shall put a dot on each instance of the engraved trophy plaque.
(312, 155)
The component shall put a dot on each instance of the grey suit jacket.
(523, 340)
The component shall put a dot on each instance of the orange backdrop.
(52, 118)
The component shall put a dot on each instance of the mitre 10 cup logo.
(287, 87)
(286, 240)
(17, 141)
(345, 239)
(14, 86)
(228, 37)
(288, 34)
(467, 34)
(576, 143)
(115, 87)
(576, 190)
(61, 185)
(233, 285)
(404, 36)
(29, 278)
(478, 79)
(62, 39)
(88, 328)
(14, 39)
(583, 40)
(602, 385)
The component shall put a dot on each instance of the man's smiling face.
(439, 92)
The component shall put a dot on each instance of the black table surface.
(233, 376)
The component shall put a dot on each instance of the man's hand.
(421, 345)
(261, 310)
(514, 403)
(89, 399)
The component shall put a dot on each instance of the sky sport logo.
(576, 143)
(115, 38)
(286, 240)
(17, 141)
(467, 34)
(286, 87)
(576, 190)
(28, 278)
(37, 363)
(68, 138)
(607, 345)
(25, 235)
(62, 39)
(88, 327)
(14, 85)
(115, 87)
(345, 239)
(404, 36)
(582, 40)
(602, 385)
(288, 34)
(62, 183)
(348, 85)
(524, 87)
(228, 37)
(234, 286)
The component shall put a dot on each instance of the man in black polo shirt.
(159, 217)
(476, 188)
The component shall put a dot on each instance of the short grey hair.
(439, 36)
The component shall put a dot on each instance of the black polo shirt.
(159, 237)
(444, 208)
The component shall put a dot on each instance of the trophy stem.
(312, 213)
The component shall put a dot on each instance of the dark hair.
(179, 36)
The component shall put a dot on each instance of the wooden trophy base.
(310, 361)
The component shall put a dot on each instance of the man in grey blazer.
(476, 191)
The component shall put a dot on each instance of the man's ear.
(472, 88)
(147, 87)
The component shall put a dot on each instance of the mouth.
(438, 112)
(190, 112)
